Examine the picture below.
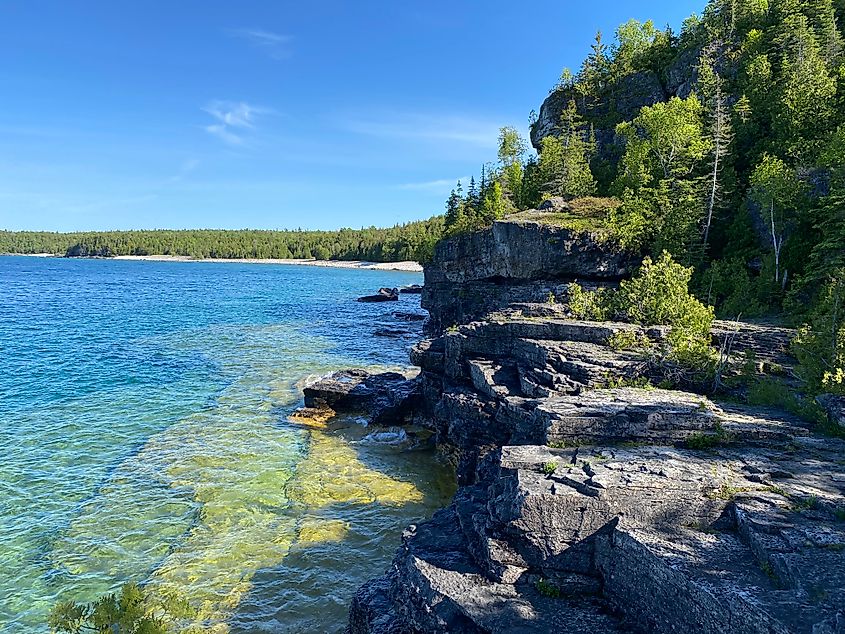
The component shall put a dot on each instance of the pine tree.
(472, 193)
(807, 89)
(822, 17)
(564, 161)
(595, 69)
(453, 209)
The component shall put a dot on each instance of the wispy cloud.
(185, 168)
(442, 185)
(422, 127)
(232, 119)
(274, 45)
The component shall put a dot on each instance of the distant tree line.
(411, 241)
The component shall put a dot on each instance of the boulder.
(394, 333)
(388, 398)
(411, 289)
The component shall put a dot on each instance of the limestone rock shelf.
(586, 504)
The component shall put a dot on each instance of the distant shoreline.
(407, 267)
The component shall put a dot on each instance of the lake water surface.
(144, 436)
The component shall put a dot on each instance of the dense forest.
(412, 241)
(723, 145)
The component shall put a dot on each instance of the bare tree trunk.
(714, 188)
(835, 322)
(722, 135)
(775, 243)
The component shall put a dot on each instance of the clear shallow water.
(144, 436)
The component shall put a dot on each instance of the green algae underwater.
(149, 440)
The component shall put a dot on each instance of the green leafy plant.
(549, 468)
(547, 589)
(628, 340)
(701, 441)
(126, 612)
(589, 305)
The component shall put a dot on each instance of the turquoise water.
(144, 436)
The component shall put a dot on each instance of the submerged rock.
(405, 316)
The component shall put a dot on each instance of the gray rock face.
(590, 502)
(835, 408)
(513, 261)
(583, 507)
(641, 539)
(625, 98)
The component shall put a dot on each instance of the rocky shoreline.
(587, 504)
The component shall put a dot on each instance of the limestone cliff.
(513, 261)
(589, 507)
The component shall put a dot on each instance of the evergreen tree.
(472, 193)
(822, 15)
(453, 209)
(564, 162)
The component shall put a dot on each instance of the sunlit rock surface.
(590, 501)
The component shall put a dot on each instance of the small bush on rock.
(657, 295)
(589, 305)
(628, 340)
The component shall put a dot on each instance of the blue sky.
(271, 114)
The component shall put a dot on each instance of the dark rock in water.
(835, 407)
(383, 295)
(388, 398)
(392, 332)
(410, 316)
(412, 289)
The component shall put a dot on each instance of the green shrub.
(820, 345)
(770, 392)
(659, 295)
(549, 468)
(548, 589)
(628, 340)
(590, 305)
(730, 287)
